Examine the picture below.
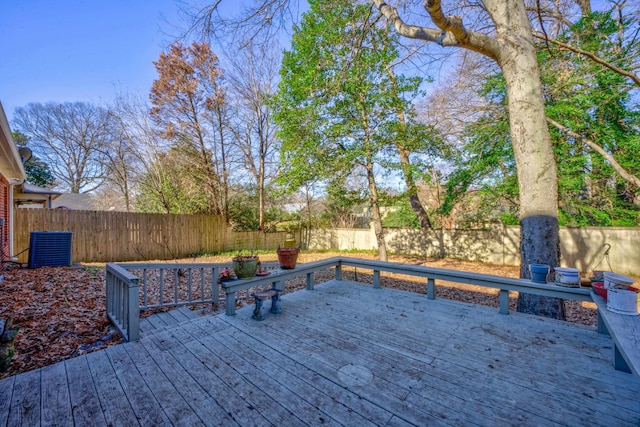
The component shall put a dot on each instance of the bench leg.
(257, 312)
(618, 361)
(275, 304)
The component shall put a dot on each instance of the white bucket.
(614, 280)
(566, 276)
(622, 301)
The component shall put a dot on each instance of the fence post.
(339, 270)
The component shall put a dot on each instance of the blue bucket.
(539, 272)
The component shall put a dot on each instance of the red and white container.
(621, 297)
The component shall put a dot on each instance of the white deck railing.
(176, 284)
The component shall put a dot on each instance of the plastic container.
(615, 280)
(599, 288)
(623, 301)
(566, 276)
(539, 272)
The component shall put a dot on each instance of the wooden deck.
(342, 354)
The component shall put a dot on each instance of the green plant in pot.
(288, 257)
(245, 266)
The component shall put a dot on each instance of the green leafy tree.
(589, 102)
(338, 104)
(587, 99)
(171, 185)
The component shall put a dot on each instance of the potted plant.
(226, 274)
(245, 266)
(288, 257)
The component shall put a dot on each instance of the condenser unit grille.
(50, 249)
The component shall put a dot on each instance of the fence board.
(100, 236)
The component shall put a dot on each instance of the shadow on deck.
(341, 354)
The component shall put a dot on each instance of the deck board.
(55, 402)
(136, 392)
(83, 396)
(25, 400)
(341, 354)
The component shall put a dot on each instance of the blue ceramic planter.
(539, 272)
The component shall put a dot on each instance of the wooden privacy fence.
(100, 236)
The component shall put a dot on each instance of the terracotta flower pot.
(288, 257)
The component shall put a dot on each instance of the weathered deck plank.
(173, 404)
(201, 403)
(342, 354)
(56, 404)
(6, 393)
(136, 392)
(25, 401)
(242, 397)
(117, 411)
(84, 399)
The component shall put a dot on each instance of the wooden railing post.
(376, 279)
(339, 270)
(504, 301)
(431, 288)
(310, 278)
(133, 309)
(215, 288)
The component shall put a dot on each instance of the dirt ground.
(61, 311)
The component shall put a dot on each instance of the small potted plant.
(245, 266)
(226, 274)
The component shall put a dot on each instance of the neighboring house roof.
(28, 193)
(10, 163)
(73, 201)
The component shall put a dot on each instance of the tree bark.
(536, 166)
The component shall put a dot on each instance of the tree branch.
(632, 179)
(634, 77)
(451, 32)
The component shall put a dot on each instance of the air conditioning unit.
(50, 249)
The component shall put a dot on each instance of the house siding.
(5, 210)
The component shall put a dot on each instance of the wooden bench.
(625, 333)
(259, 297)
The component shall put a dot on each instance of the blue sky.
(80, 50)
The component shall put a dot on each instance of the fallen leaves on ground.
(61, 311)
(58, 310)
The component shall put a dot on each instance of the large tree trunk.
(537, 174)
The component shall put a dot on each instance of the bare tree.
(253, 79)
(72, 138)
(144, 150)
